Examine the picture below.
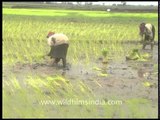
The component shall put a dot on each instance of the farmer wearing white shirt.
(59, 45)
(147, 32)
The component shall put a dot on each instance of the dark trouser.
(63, 60)
(59, 52)
(148, 41)
(152, 45)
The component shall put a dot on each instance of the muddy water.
(125, 78)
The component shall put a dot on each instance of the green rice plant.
(24, 41)
(104, 52)
(27, 102)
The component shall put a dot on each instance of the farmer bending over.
(59, 45)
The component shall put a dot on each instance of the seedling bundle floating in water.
(102, 75)
(136, 55)
(97, 69)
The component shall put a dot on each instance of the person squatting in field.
(147, 33)
(59, 44)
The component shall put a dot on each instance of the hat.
(50, 33)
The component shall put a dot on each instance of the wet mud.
(124, 79)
